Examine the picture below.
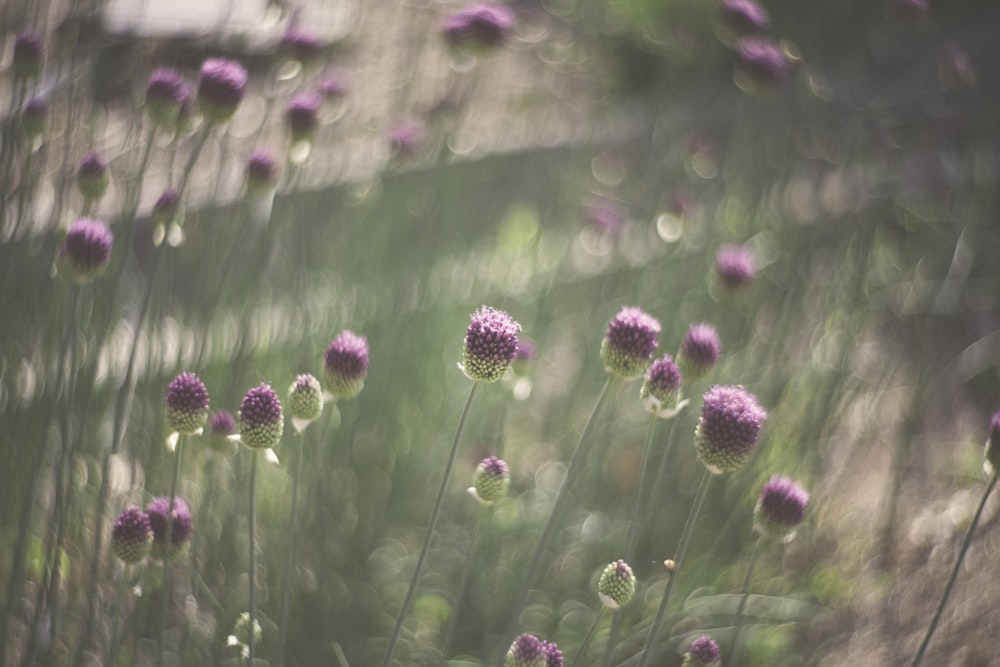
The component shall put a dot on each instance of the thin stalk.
(575, 462)
(116, 613)
(734, 647)
(252, 574)
(463, 582)
(168, 549)
(425, 548)
(286, 585)
(692, 519)
(954, 572)
(589, 637)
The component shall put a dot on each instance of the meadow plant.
(345, 365)
(491, 479)
(302, 117)
(762, 66)
(479, 28)
(166, 92)
(735, 267)
(28, 59)
(703, 652)
(743, 17)
(301, 46)
(172, 525)
(699, 351)
(86, 250)
(630, 342)
(219, 432)
(34, 118)
(526, 651)
(132, 536)
(92, 178)
(221, 86)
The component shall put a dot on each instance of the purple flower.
(524, 355)
(221, 86)
(553, 656)
(306, 398)
(92, 176)
(606, 216)
(261, 422)
(490, 344)
(993, 445)
(262, 173)
(491, 480)
(526, 651)
(180, 531)
(761, 64)
(302, 116)
(165, 208)
(34, 115)
(407, 137)
(743, 16)
(302, 46)
(29, 55)
(661, 387)
(629, 343)
(333, 84)
(86, 251)
(616, 585)
(346, 365)
(187, 404)
(703, 652)
(728, 429)
(699, 351)
(131, 536)
(735, 266)
(481, 27)
(780, 508)
(166, 90)
(221, 425)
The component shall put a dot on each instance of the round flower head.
(180, 531)
(302, 116)
(29, 55)
(526, 651)
(617, 584)
(34, 115)
(703, 652)
(661, 388)
(728, 428)
(490, 344)
(86, 251)
(491, 480)
(131, 536)
(166, 90)
(301, 46)
(407, 137)
(92, 176)
(261, 421)
(306, 397)
(735, 267)
(262, 173)
(993, 446)
(165, 209)
(629, 343)
(346, 365)
(220, 89)
(187, 404)
(761, 65)
(479, 28)
(241, 630)
(699, 351)
(221, 425)
(780, 509)
(553, 656)
(743, 16)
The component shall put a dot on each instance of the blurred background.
(598, 159)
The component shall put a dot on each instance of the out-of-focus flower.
(526, 651)
(699, 351)
(780, 508)
(92, 176)
(490, 344)
(241, 633)
(261, 422)
(743, 16)
(524, 355)
(735, 266)
(302, 46)
(166, 207)
(29, 55)
(86, 250)
(221, 426)
(34, 116)
(703, 652)
(491, 480)
(166, 90)
(306, 398)
(479, 28)
(345, 365)
(407, 137)
(180, 531)
(661, 388)
(187, 404)
(616, 585)
(727, 432)
(131, 536)
(553, 656)
(630, 341)
(302, 116)
(221, 86)
(261, 173)
(333, 84)
(761, 65)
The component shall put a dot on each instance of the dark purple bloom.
(480, 27)
(781, 507)
(703, 652)
(306, 398)
(743, 16)
(699, 351)
(993, 445)
(34, 114)
(333, 84)
(221, 86)
(29, 55)
(166, 90)
(491, 479)
(727, 432)
(261, 420)
(606, 216)
(187, 404)
(131, 536)
(761, 64)
(616, 585)
(524, 355)
(526, 651)
(180, 532)
(553, 656)
(629, 343)
(735, 266)
(86, 251)
(346, 365)
(165, 208)
(92, 176)
(262, 173)
(302, 46)
(490, 344)
(302, 116)
(221, 425)
(407, 137)
(661, 387)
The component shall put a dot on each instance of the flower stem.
(954, 572)
(589, 637)
(168, 548)
(252, 574)
(692, 519)
(734, 647)
(463, 582)
(425, 548)
(286, 585)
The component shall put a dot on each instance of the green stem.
(589, 637)
(425, 548)
(954, 572)
(734, 648)
(463, 582)
(168, 549)
(116, 613)
(692, 519)
(252, 574)
(286, 585)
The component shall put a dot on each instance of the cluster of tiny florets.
(780, 508)
(616, 585)
(703, 652)
(490, 344)
(699, 351)
(261, 423)
(221, 425)
(727, 432)
(661, 387)
(166, 93)
(180, 532)
(302, 116)
(187, 404)
(346, 365)
(86, 250)
(526, 651)
(221, 86)
(491, 479)
(131, 536)
(92, 176)
(630, 341)
(306, 398)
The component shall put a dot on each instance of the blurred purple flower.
(333, 84)
(699, 351)
(346, 365)
(661, 387)
(302, 116)
(703, 652)
(743, 16)
(780, 508)
(34, 115)
(480, 27)
(221, 86)
(131, 536)
(166, 91)
(630, 341)
(302, 46)
(261, 172)
(605, 216)
(86, 251)
(180, 531)
(761, 64)
(407, 137)
(735, 266)
(92, 176)
(29, 55)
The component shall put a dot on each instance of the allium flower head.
(735, 267)
(605, 216)
(780, 508)
(262, 173)
(346, 365)
(743, 16)
(306, 397)
(221, 425)
(34, 115)
(490, 482)
(301, 46)
(703, 652)
(261, 422)
(86, 251)
(524, 355)
(490, 344)
(479, 28)
(526, 651)
(761, 64)
(221, 86)
(187, 404)
(728, 429)
(166, 90)
(616, 585)
(92, 176)
(166, 207)
(131, 536)
(993, 445)
(407, 137)
(180, 532)
(661, 388)
(302, 116)
(29, 55)
(629, 343)
(553, 656)
(699, 351)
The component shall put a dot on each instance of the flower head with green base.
(629, 343)
(306, 398)
(761, 65)
(526, 651)
(553, 656)
(34, 115)
(661, 388)
(780, 508)
(166, 207)
(261, 422)
(699, 351)
(616, 585)
(479, 28)
(131, 536)
(261, 172)
(92, 178)
(220, 431)
(166, 91)
(221, 86)
(86, 250)
(491, 480)
(29, 55)
(992, 453)
(180, 531)
(727, 432)
(187, 404)
(703, 652)
(735, 267)
(302, 116)
(345, 365)
(490, 345)
(301, 46)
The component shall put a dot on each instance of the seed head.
(616, 585)
(490, 344)
(346, 365)
(29, 55)
(735, 267)
(728, 429)
(526, 651)
(480, 28)
(629, 343)
(743, 16)
(781, 508)
(261, 423)
(490, 482)
(86, 250)
(761, 65)
(699, 351)
(221, 86)
(92, 176)
(661, 388)
(703, 652)
(34, 115)
(166, 91)
(221, 425)
(306, 397)
(262, 173)
(302, 116)
(131, 536)
(187, 404)
(180, 532)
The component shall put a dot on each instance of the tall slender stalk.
(286, 585)
(252, 574)
(589, 637)
(168, 549)
(463, 582)
(734, 647)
